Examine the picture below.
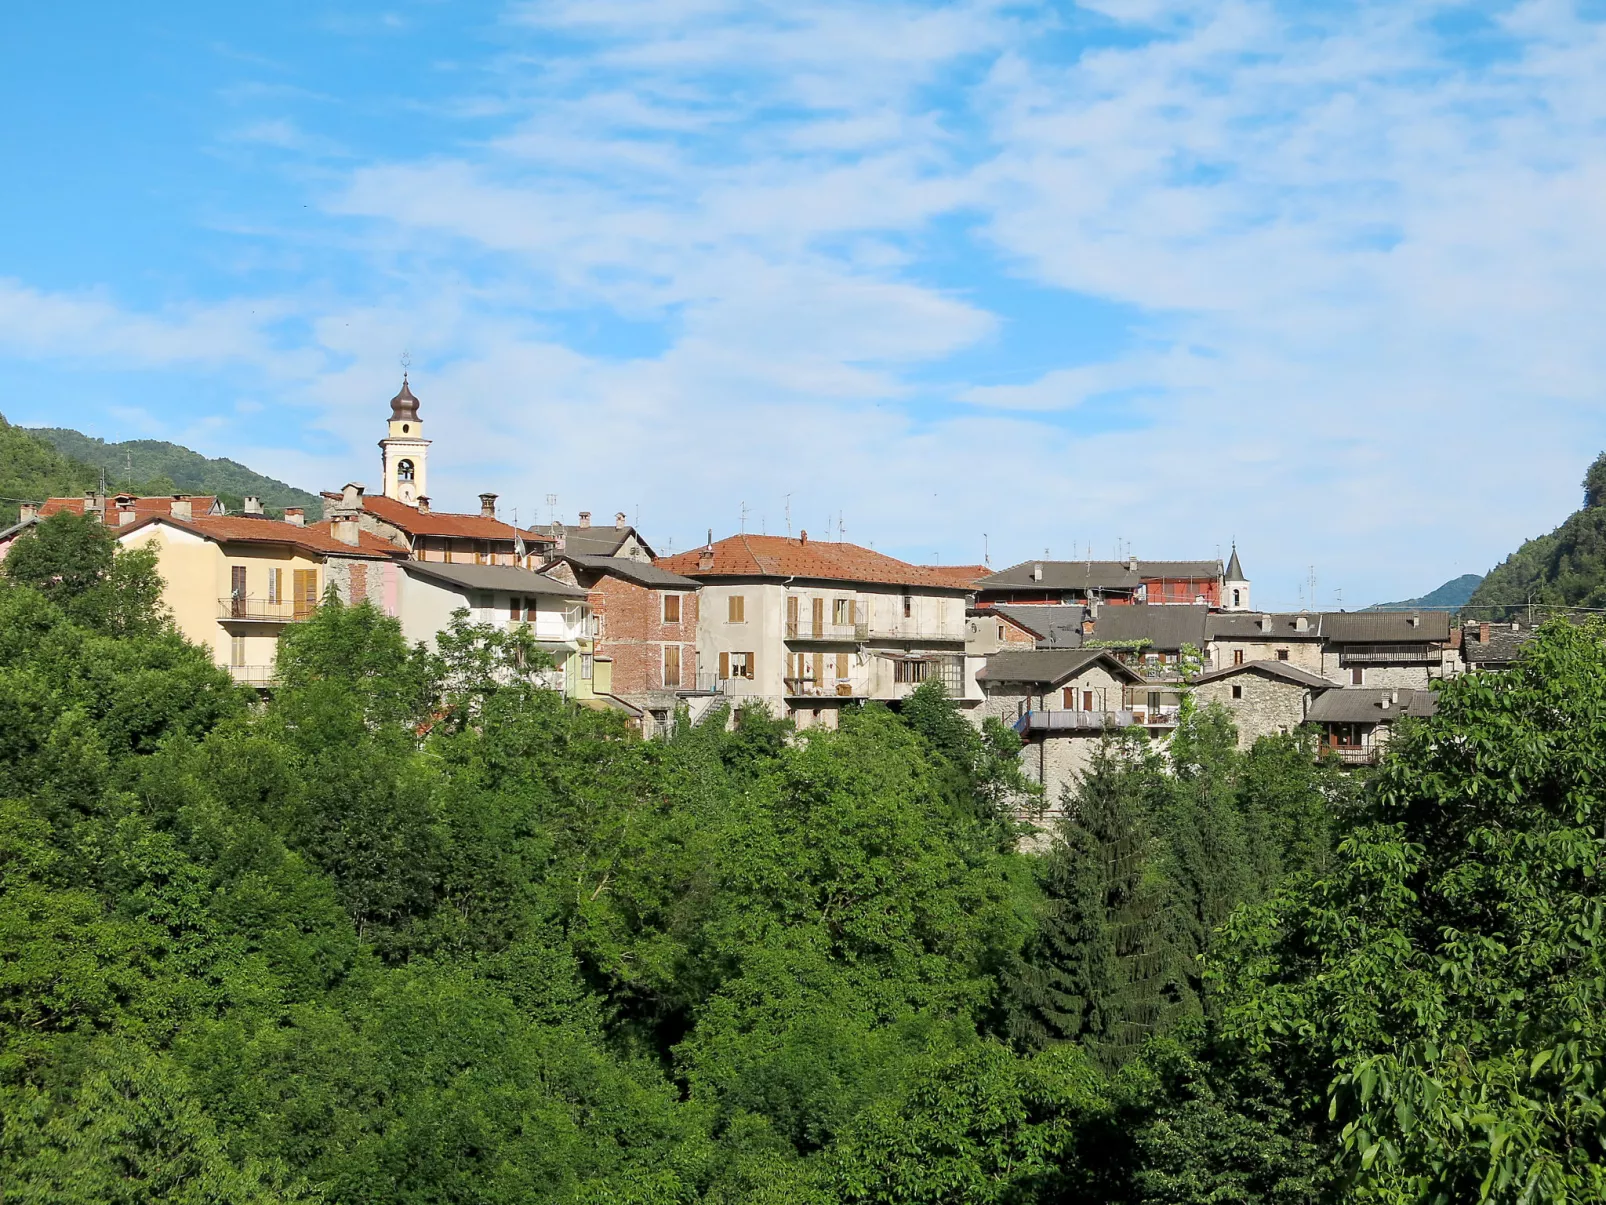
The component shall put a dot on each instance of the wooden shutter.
(306, 592)
(748, 669)
(671, 608)
(1087, 700)
(724, 666)
(735, 608)
(841, 667)
(819, 667)
(817, 613)
(1070, 699)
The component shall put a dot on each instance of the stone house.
(1265, 697)
(1129, 581)
(1293, 638)
(1062, 702)
(1389, 648)
(1355, 721)
(1147, 636)
(646, 643)
(1495, 645)
(807, 627)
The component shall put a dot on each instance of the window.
(237, 651)
(1235, 598)
(908, 605)
(587, 666)
(1000, 631)
(515, 608)
(1237, 656)
(842, 611)
(485, 602)
(1068, 697)
(736, 665)
(1154, 701)
(1357, 676)
(736, 608)
(671, 608)
(404, 471)
(1087, 700)
(671, 665)
(817, 616)
(275, 585)
(910, 671)
(237, 591)
(1282, 654)
(1237, 692)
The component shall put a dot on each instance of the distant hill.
(1451, 596)
(31, 470)
(1565, 568)
(180, 470)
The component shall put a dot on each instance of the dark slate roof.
(492, 577)
(1272, 669)
(1167, 628)
(1364, 705)
(1235, 570)
(1505, 644)
(1056, 626)
(1245, 625)
(1048, 667)
(640, 572)
(1095, 575)
(1384, 627)
(593, 541)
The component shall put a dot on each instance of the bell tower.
(1234, 585)
(404, 451)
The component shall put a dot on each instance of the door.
(817, 614)
(791, 616)
(237, 591)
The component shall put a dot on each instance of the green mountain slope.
(32, 470)
(1449, 597)
(159, 462)
(1565, 568)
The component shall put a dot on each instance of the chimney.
(1302, 624)
(1087, 627)
(585, 518)
(1483, 633)
(705, 557)
(619, 521)
(1385, 702)
(30, 510)
(487, 506)
(1037, 571)
(351, 496)
(253, 504)
(180, 508)
(345, 528)
(125, 516)
(1416, 621)
(1265, 623)
(1131, 564)
(803, 537)
(423, 505)
(295, 515)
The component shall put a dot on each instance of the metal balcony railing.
(1156, 717)
(261, 610)
(1371, 654)
(1354, 757)
(253, 675)
(911, 629)
(808, 688)
(805, 629)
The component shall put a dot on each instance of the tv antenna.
(551, 509)
(788, 516)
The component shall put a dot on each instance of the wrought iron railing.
(253, 675)
(261, 610)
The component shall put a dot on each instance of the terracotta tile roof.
(144, 508)
(444, 523)
(780, 556)
(959, 575)
(236, 529)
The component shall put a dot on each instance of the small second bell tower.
(405, 452)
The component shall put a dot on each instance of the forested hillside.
(1565, 568)
(418, 931)
(177, 468)
(1449, 597)
(32, 470)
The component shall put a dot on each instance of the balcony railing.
(808, 688)
(1354, 757)
(1156, 717)
(1368, 654)
(253, 675)
(911, 629)
(260, 610)
(840, 632)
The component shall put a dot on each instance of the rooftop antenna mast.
(841, 528)
(551, 509)
(986, 556)
(744, 518)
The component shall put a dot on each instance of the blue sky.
(1157, 274)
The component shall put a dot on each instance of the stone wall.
(1267, 705)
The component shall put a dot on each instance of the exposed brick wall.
(631, 631)
(359, 584)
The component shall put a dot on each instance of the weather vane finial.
(406, 363)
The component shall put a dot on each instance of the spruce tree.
(1100, 969)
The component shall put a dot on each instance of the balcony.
(808, 688)
(838, 633)
(259, 610)
(1396, 654)
(1156, 717)
(914, 630)
(1073, 721)
(253, 675)
(1354, 757)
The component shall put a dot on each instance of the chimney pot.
(585, 518)
(294, 514)
(253, 504)
(619, 521)
(803, 537)
(423, 504)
